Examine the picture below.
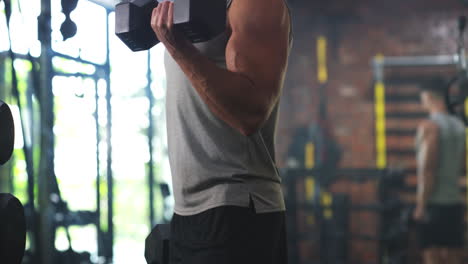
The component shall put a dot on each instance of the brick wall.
(357, 30)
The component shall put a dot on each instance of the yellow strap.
(327, 202)
(322, 72)
(328, 213)
(327, 199)
(309, 155)
(309, 188)
(380, 135)
(311, 220)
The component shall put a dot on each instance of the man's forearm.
(429, 163)
(231, 96)
(425, 187)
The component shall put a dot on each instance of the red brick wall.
(357, 30)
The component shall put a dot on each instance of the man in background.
(440, 145)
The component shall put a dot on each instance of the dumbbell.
(157, 245)
(407, 219)
(7, 133)
(12, 229)
(198, 20)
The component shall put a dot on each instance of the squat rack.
(43, 223)
(380, 63)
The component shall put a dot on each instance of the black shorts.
(444, 227)
(229, 235)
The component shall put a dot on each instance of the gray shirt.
(446, 188)
(212, 164)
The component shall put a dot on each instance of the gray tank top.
(451, 153)
(212, 164)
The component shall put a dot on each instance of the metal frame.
(151, 183)
(379, 63)
(42, 223)
(291, 178)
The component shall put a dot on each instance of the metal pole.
(110, 180)
(46, 167)
(149, 94)
(380, 126)
(415, 61)
(98, 171)
(6, 181)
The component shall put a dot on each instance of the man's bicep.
(432, 136)
(260, 60)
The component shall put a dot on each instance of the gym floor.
(112, 179)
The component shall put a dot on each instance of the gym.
(134, 131)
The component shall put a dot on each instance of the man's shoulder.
(428, 126)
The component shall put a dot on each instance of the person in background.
(440, 145)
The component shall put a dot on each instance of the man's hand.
(162, 23)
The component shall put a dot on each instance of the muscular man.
(222, 105)
(440, 155)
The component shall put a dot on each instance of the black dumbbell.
(12, 229)
(198, 20)
(157, 245)
(408, 221)
(7, 133)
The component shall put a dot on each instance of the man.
(222, 105)
(440, 154)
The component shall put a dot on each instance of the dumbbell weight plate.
(7, 133)
(157, 245)
(198, 20)
(12, 229)
(456, 96)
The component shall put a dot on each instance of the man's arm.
(244, 94)
(426, 173)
